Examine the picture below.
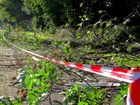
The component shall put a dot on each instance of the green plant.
(66, 48)
(79, 95)
(39, 80)
(123, 91)
(36, 83)
(8, 101)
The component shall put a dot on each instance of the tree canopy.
(48, 13)
(11, 11)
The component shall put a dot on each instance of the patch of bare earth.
(7, 72)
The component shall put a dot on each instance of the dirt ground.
(7, 71)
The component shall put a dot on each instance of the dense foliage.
(11, 12)
(78, 14)
(46, 13)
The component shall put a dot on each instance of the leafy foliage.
(38, 81)
(122, 92)
(78, 95)
(47, 14)
(35, 84)
(12, 13)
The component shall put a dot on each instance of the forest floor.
(8, 70)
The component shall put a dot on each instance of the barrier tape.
(130, 76)
(115, 73)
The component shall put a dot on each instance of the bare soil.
(7, 71)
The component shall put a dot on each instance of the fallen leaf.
(14, 78)
(23, 92)
(18, 61)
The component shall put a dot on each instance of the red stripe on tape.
(95, 68)
(57, 61)
(66, 63)
(79, 66)
(137, 69)
(119, 72)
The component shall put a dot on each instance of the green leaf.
(88, 32)
(80, 24)
(78, 35)
(75, 87)
(108, 23)
(85, 16)
(81, 4)
(27, 78)
(37, 90)
(91, 95)
(30, 100)
(82, 103)
(30, 83)
(17, 101)
(100, 11)
(38, 82)
(31, 95)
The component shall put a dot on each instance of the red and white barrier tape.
(111, 72)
